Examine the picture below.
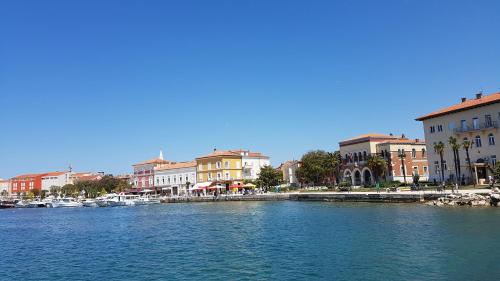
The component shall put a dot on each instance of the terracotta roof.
(468, 104)
(367, 137)
(88, 177)
(153, 161)
(250, 153)
(27, 176)
(218, 153)
(404, 141)
(51, 174)
(176, 165)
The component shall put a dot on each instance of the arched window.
(359, 157)
(347, 160)
(478, 141)
(491, 139)
(423, 152)
(355, 157)
(365, 157)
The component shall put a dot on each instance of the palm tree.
(378, 166)
(402, 156)
(439, 148)
(466, 145)
(455, 146)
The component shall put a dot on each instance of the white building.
(175, 178)
(475, 120)
(4, 185)
(57, 179)
(252, 162)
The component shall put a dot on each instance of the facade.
(289, 171)
(221, 166)
(85, 176)
(252, 162)
(26, 183)
(144, 172)
(475, 120)
(58, 179)
(4, 186)
(355, 153)
(176, 178)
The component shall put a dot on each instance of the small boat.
(7, 204)
(66, 203)
(89, 203)
(21, 204)
(102, 201)
(37, 204)
(145, 200)
(123, 200)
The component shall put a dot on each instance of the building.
(252, 163)
(4, 186)
(144, 172)
(221, 166)
(85, 176)
(404, 157)
(475, 120)
(55, 179)
(27, 182)
(289, 171)
(176, 178)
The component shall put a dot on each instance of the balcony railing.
(478, 127)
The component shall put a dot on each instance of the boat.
(102, 201)
(66, 203)
(123, 200)
(146, 200)
(37, 204)
(89, 203)
(22, 204)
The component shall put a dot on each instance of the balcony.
(478, 127)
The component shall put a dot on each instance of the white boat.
(89, 203)
(102, 201)
(36, 204)
(123, 200)
(145, 200)
(22, 204)
(66, 203)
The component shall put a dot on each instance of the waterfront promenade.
(354, 196)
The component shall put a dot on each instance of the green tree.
(377, 165)
(496, 172)
(455, 147)
(467, 145)
(30, 195)
(36, 192)
(439, 148)
(269, 177)
(315, 167)
(55, 190)
(333, 163)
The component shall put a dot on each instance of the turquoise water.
(251, 241)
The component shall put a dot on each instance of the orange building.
(25, 183)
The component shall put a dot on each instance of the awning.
(249, 185)
(201, 185)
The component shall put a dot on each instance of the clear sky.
(104, 84)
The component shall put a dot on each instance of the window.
(226, 164)
(237, 164)
(487, 121)
(440, 128)
(200, 178)
(200, 167)
(491, 139)
(238, 175)
(355, 157)
(414, 153)
(209, 176)
(415, 170)
(463, 125)
(432, 129)
(218, 176)
(168, 180)
(423, 152)
(425, 170)
(365, 157)
(175, 179)
(478, 141)
(445, 166)
(157, 181)
(451, 126)
(209, 166)
(218, 165)
(475, 123)
(493, 159)
(227, 175)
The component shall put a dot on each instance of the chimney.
(403, 136)
(215, 149)
(479, 95)
(464, 99)
(417, 140)
(391, 134)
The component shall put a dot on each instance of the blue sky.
(104, 84)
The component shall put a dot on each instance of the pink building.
(144, 172)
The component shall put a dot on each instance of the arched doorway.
(347, 176)
(367, 177)
(357, 177)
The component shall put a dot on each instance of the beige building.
(355, 153)
(475, 120)
(289, 172)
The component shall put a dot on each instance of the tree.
(377, 165)
(402, 156)
(55, 191)
(269, 177)
(455, 147)
(315, 167)
(496, 172)
(439, 148)
(333, 163)
(466, 145)
(36, 192)
(30, 195)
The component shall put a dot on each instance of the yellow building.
(219, 166)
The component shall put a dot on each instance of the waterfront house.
(404, 157)
(175, 178)
(144, 172)
(472, 120)
(289, 172)
(4, 186)
(55, 179)
(252, 162)
(26, 182)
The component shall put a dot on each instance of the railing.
(478, 127)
